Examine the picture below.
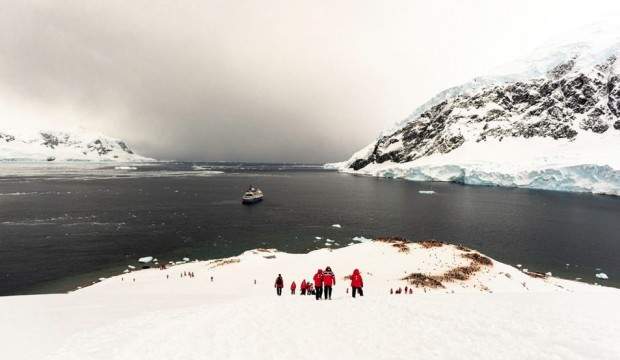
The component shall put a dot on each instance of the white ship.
(252, 195)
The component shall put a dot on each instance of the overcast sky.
(303, 81)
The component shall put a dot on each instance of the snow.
(74, 145)
(499, 313)
(589, 45)
(361, 239)
(602, 276)
(586, 164)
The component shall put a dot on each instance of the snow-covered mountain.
(63, 146)
(552, 122)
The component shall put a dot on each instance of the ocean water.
(65, 226)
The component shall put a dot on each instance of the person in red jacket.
(357, 283)
(318, 284)
(329, 280)
(293, 287)
(279, 285)
(303, 287)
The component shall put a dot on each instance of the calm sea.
(65, 226)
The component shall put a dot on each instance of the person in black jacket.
(279, 284)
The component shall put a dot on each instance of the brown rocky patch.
(396, 241)
(463, 248)
(478, 259)
(535, 274)
(427, 244)
(460, 273)
(418, 279)
(223, 262)
(391, 239)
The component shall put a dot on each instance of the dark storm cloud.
(181, 84)
(245, 80)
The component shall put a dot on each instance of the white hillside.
(63, 146)
(551, 121)
(464, 306)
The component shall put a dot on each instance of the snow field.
(499, 312)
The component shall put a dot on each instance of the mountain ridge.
(54, 145)
(571, 97)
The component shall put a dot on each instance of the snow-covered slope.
(470, 307)
(63, 146)
(551, 122)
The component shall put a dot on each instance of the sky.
(273, 81)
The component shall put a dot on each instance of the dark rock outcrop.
(558, 106)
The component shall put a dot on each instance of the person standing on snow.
(328, 281)
(303, 287)
(279, 284)
(318, 284)
(293, 287)
(357, 283)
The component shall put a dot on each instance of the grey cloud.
(242, 80)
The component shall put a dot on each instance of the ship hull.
(252, 200)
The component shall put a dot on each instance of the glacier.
(549, 121)
(579, 178)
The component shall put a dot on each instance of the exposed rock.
(558, 105)
(61, 146)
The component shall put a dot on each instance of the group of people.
(188, 274)
(322, 283)
(408, 290)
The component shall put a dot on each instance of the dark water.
(63, 231)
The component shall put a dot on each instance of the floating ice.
(361, 239)
(185, 259)
(146, 259)
(337, 226)
(549, 273)
(426, 192)
(131, 267)
(125, 168)
(318, 237)
(602, 276)
(519, 265)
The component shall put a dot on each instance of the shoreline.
(121, 269)
(459, 174)
(397, 243)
